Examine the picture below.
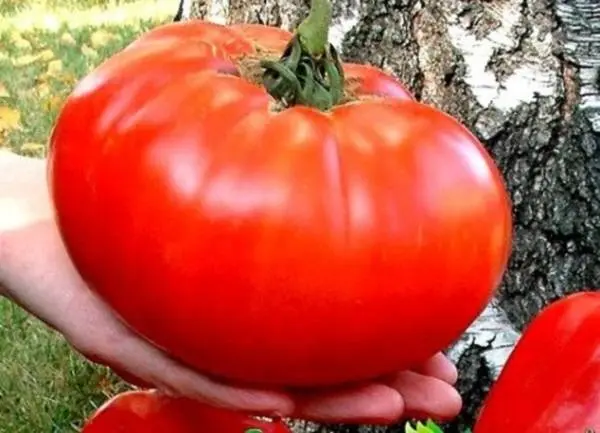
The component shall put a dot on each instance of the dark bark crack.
(474, 380)
(384, 38)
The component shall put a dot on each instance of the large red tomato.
(150, 412)
(291, 247)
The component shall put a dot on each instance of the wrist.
(5, 262)
(24, 198)
(3, 289)
(24, 201)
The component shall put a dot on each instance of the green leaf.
(408, 428)
(433, 427)
(428, 427)
(421, 428)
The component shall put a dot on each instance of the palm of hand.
(47, 285)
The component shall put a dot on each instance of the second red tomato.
(151, 412)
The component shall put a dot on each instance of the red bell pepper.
(551, 382)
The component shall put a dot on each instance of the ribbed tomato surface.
(285, 247)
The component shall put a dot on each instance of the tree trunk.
(523, 75)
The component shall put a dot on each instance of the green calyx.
(310, 71)
(253, 430)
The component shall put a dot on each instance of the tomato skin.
(150, 412)
(274, 248)
(551, 382)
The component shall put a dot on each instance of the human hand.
(38, 274)
(42, 279)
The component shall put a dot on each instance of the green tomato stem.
(310, 71)
(313, 32)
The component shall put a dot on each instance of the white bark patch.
(590, 96)
(530, 79)
(582, 23)
(342, 25)
(218, 11)
(186, 9)
(491, 328)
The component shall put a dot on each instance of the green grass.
(11, 7)
(66, 36)
(46, 387)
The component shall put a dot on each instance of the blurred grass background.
(46, 46)
(11, 7)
